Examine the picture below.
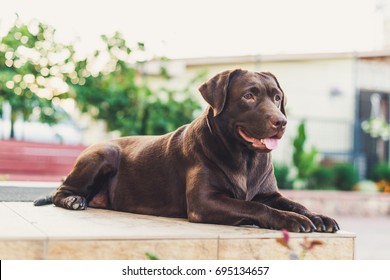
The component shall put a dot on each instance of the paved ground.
(23, 193)
(372, 240)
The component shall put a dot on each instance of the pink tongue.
(271, 143)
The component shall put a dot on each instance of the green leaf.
(150, 256)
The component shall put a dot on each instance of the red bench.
(28, 161)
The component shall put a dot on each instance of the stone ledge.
(50, 232)
(342, 203)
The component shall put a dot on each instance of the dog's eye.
(278, 98)
(249, 96)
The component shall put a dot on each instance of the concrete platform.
(49, 232)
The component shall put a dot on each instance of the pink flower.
(308, 245)
(285, 239)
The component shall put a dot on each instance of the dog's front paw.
(324, 223)
(294, 222)
(75, 202)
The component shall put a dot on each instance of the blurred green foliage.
(322, 178)
(31, 79)
(36, 73)
(381, 172)
(282, 176)
(303, 160)
(340, 176)
(346, 176)
(310, 174)
(119, 95)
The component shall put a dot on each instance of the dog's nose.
(278, 122)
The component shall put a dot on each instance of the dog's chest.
(239, 185)
(248, 179)
(245, 183)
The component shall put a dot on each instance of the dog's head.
(250, 104)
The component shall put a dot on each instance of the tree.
(32, 71)
(118, 94)
(36, 73)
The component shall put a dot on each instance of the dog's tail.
(44, 200)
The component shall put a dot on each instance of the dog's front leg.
(206, 205)
(278, 201)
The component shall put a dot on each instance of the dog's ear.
(284, 99)
(214, 91)
(283, 106)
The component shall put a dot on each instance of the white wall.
(374, 75)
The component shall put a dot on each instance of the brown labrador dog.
(217, 169)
